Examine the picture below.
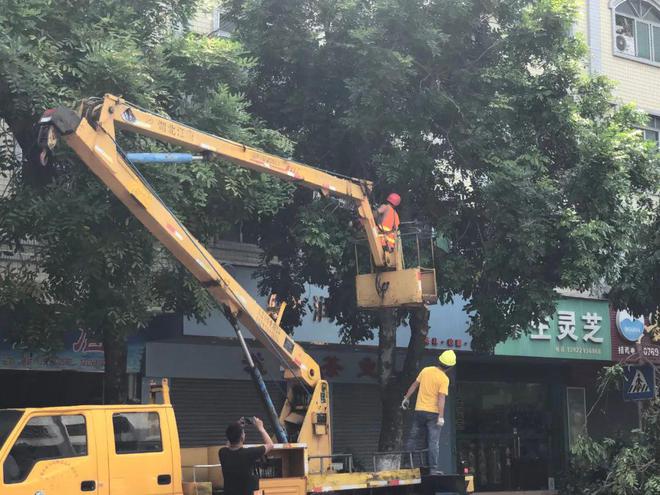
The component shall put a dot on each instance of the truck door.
(54, 454)
(139, 453)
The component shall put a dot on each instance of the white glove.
(405, 403)
(441, 421)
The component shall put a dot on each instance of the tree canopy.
(95, 266)
(482, 116)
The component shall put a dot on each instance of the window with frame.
(222, 27)
(45, 438)
(137, 432)
(637, 30)
(652, 130)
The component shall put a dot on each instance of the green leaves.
(94, 264)
(481, 114)
(32, 319)
(624, 467)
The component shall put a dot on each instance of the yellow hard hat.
(447, 358)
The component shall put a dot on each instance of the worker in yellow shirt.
(429, 418)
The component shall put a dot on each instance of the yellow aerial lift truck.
(134, 449)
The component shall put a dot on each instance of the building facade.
(623, 37)
(512, 416)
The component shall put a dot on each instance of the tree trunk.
(419, 332)
(393, 384)
(25, 134)
(115, 381)
(391, 435)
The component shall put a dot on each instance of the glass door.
(503, 434)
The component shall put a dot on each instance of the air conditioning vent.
(625, 44)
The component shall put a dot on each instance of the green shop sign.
(579, 329)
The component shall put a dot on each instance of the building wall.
(212, 21)
(210, 387)
(608, 414)
(581, 27)
(448, 322)
(202, 22)
(636, 82)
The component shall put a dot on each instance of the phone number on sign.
(651, 351)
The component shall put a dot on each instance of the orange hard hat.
(394, 199)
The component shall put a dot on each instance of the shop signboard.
(339, 364)
(448, 322)
(630, 327)
(579, 329)
(631, 338)
(639, 382)
(79, 352)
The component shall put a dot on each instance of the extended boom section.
(389, 284)
(132, 118)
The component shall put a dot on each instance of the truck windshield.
(8, 419)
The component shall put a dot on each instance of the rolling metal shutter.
(356, 421)
(204, 408)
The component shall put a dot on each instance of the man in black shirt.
(238, 462)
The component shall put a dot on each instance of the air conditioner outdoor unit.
(625, 44)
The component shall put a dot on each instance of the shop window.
(137, 432)
(637, 30)
(577, 414)
(45, 438)
(134, 388)
(503, 435)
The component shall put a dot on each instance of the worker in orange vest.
(388, 221)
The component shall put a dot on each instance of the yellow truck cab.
(119, 450)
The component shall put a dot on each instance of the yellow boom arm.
(389, 284)
(93, 141)
(92, 134)
(98, 150)
(125, 116)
